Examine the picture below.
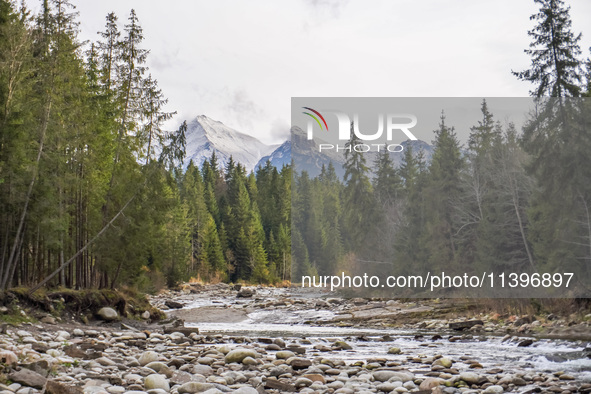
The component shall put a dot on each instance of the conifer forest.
(95, 191)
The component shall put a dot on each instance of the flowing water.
(544, 355)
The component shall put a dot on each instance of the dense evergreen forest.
(92, 191)
(508, 201)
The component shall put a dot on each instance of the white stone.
(469, 377)
(148, 357)
(493, 390)
(156, 381)
(108, 314)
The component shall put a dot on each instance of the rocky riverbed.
(219, 340)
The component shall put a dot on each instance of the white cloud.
(241, 62)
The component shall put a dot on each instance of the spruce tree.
(387, 182)
(358, 201)
(442, 193)
(557, 140)
(555, 65)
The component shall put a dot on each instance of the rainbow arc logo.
(315, 118)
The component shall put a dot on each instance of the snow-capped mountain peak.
(205, 135)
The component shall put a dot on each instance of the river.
(293, 316)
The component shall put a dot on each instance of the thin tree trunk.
(588, 217)
(65, 264)
(12, 258)
(521, 226)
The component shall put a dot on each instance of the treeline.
(444, 214)
(92, 192)
(238, 224)
(508, 201)
(484, 207)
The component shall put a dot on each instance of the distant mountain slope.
(205, 135)
(279, 157)
(307, 157)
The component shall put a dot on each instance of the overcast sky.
(240, 62)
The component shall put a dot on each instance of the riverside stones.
(156, 381)
(160, 368)
(249, 361)
(470, 377)
(284, 354)
(53, 387)
(246, 390)
(394, 350)
(7, 357)
(194, 387)
(444, 362)
(387, 375)
(464, 325)
(494, 389)
(173, 304)
(29, 378)
(237, 355)
(342, 345)
(108, 314)
(148, 357)
(152, 360)
(246, 293)
(430, 383)
(299, 363)
(525, 343)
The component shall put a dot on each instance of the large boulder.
(299, 363)
(28, 378)
(148, 357)
(173, 304)
(246, 293)
(430, 383)
(443, 362)
(237, 355)
(393, 376)
(495, 389)
(394, 350)
(470, 377)
(284, 354)
(7, 357)
(53, 387)
(156, 381)
(108, 314)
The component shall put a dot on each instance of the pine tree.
(408, 169)
(213, 249)
(485, 133)
(410, 250)
(192, 194)
(556, 67)
(173, 150)
(387, 182)
(110, 51)
(558, 143)
(358, 201)
(442, 192)
(16, 131)
(151, 134)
